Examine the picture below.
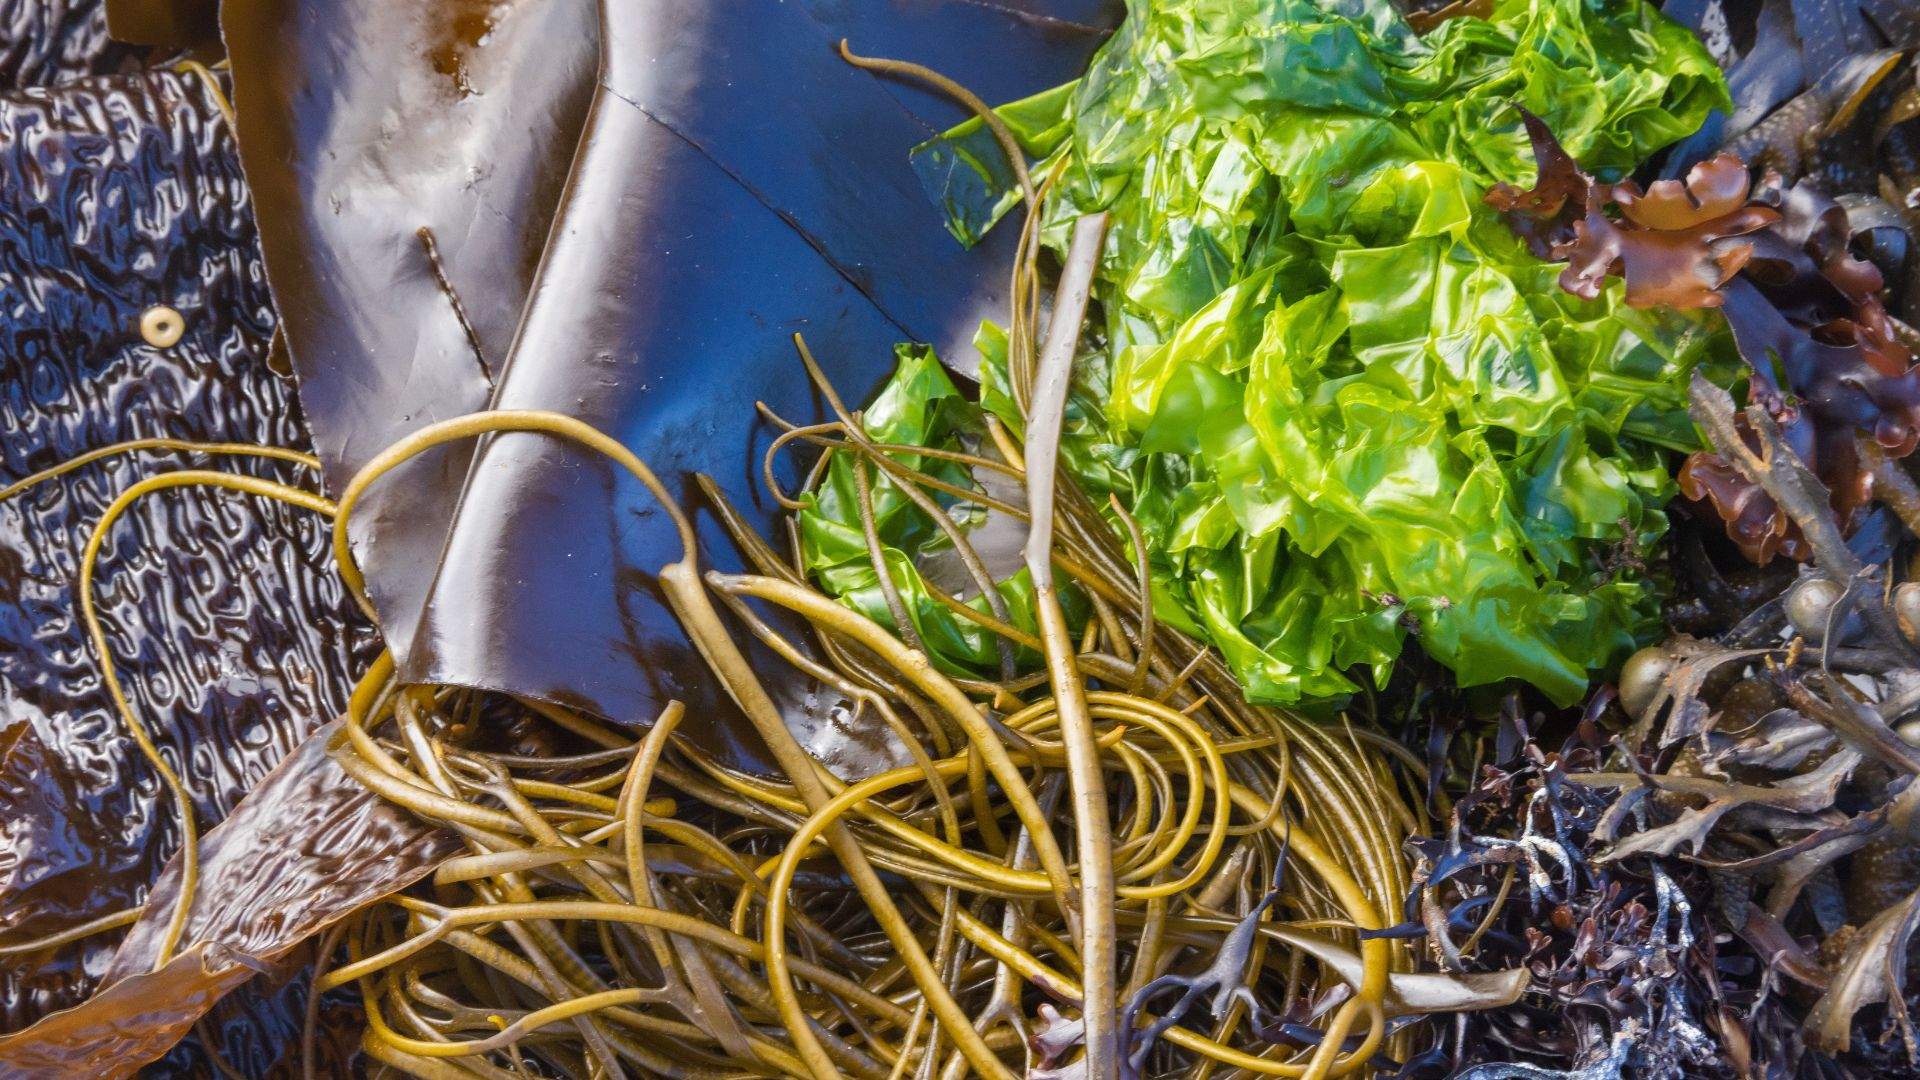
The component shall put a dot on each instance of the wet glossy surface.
(43, 42)
(363, 122)
(260, 896)
(232, 634)
(259, 893)
(999, 49)
(735, 183)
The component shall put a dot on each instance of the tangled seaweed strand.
(912, 922)
(562, 937)
(564, 914)
(1618, 971)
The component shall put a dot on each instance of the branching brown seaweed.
(1824, 357)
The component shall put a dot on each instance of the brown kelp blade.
(309, 846)
(728, 180)
(406, 160)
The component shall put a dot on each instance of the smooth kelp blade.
(407, 160)
(731, 181)
(999, 51)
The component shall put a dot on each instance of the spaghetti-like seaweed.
(599, 928)
(1055, 850)
(563, 908)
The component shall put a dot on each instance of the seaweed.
(1823, 356)
(1321, 380)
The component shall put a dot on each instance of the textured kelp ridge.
(124, 192)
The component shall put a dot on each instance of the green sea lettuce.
(1343, 401)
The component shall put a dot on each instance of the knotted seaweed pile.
(1070, 861)
(1099, 849)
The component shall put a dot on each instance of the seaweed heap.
(1344, 404)
(1306, 389)
(1730, 887)
(1708, 874)
(1238, 839)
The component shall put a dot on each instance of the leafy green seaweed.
(920, 406)
(1344, 402)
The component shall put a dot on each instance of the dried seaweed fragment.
(1618, 981)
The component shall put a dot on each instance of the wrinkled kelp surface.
(259, 900)
(125, 192)
(45, 42)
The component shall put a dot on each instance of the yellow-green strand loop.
(183, 803)
(694, 608)
(187, 446)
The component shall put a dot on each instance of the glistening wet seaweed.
(236, 641)
(1167, 741)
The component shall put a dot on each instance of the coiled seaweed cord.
(131, 446)
(1378, 952)
(692, 605)
(1170, 844)
(111, 921)
(1079, 520)
(1044, 414)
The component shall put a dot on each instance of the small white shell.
(161, 326)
